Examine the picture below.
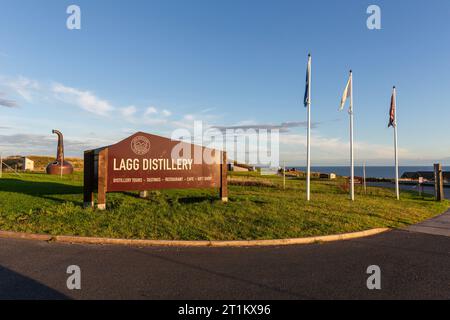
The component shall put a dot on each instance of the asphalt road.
(414, 265)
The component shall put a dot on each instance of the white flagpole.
(397, 189)
(308, 152)
(352, 169)
(364, 175)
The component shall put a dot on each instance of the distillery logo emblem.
(140, 145)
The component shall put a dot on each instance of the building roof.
(429, 175)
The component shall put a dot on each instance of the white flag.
(347, 93)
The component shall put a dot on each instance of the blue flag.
(307, 98)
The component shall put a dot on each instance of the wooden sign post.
(144, 162)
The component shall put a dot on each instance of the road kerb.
(193, 243)
(24, 235)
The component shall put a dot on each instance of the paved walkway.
(439, 225)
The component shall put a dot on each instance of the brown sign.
(146, 162)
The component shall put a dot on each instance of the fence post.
(143, 194)
(88, 179)
(223, 178)
(102, 179)
(438, 182)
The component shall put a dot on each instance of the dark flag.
(392, 120)
(307, 98)
(393, 123)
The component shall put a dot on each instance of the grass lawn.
(258, 208)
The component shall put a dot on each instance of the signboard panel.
(147, 162)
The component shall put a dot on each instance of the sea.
(387, 172)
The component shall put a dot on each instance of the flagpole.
(364, 175)
(352, 170)
(308, 152)
(397, 189)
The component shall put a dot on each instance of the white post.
(284, 175)
(364, 175)
(352, 169)
(308, 152)
(397, 189)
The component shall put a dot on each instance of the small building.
(18, 163)
(240, 167)
(329, 176)
(293, 172)
(315, 175)
(410, 176)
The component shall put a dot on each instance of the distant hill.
(41, 162)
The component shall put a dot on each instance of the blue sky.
(159, 65)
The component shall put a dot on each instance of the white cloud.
(186, 122)
(151, 110)
(150, 116)
(128, 111)
(24, 87)
(84, 99)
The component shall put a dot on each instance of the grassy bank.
(259, 208)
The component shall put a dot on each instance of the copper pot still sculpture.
(55, 167)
